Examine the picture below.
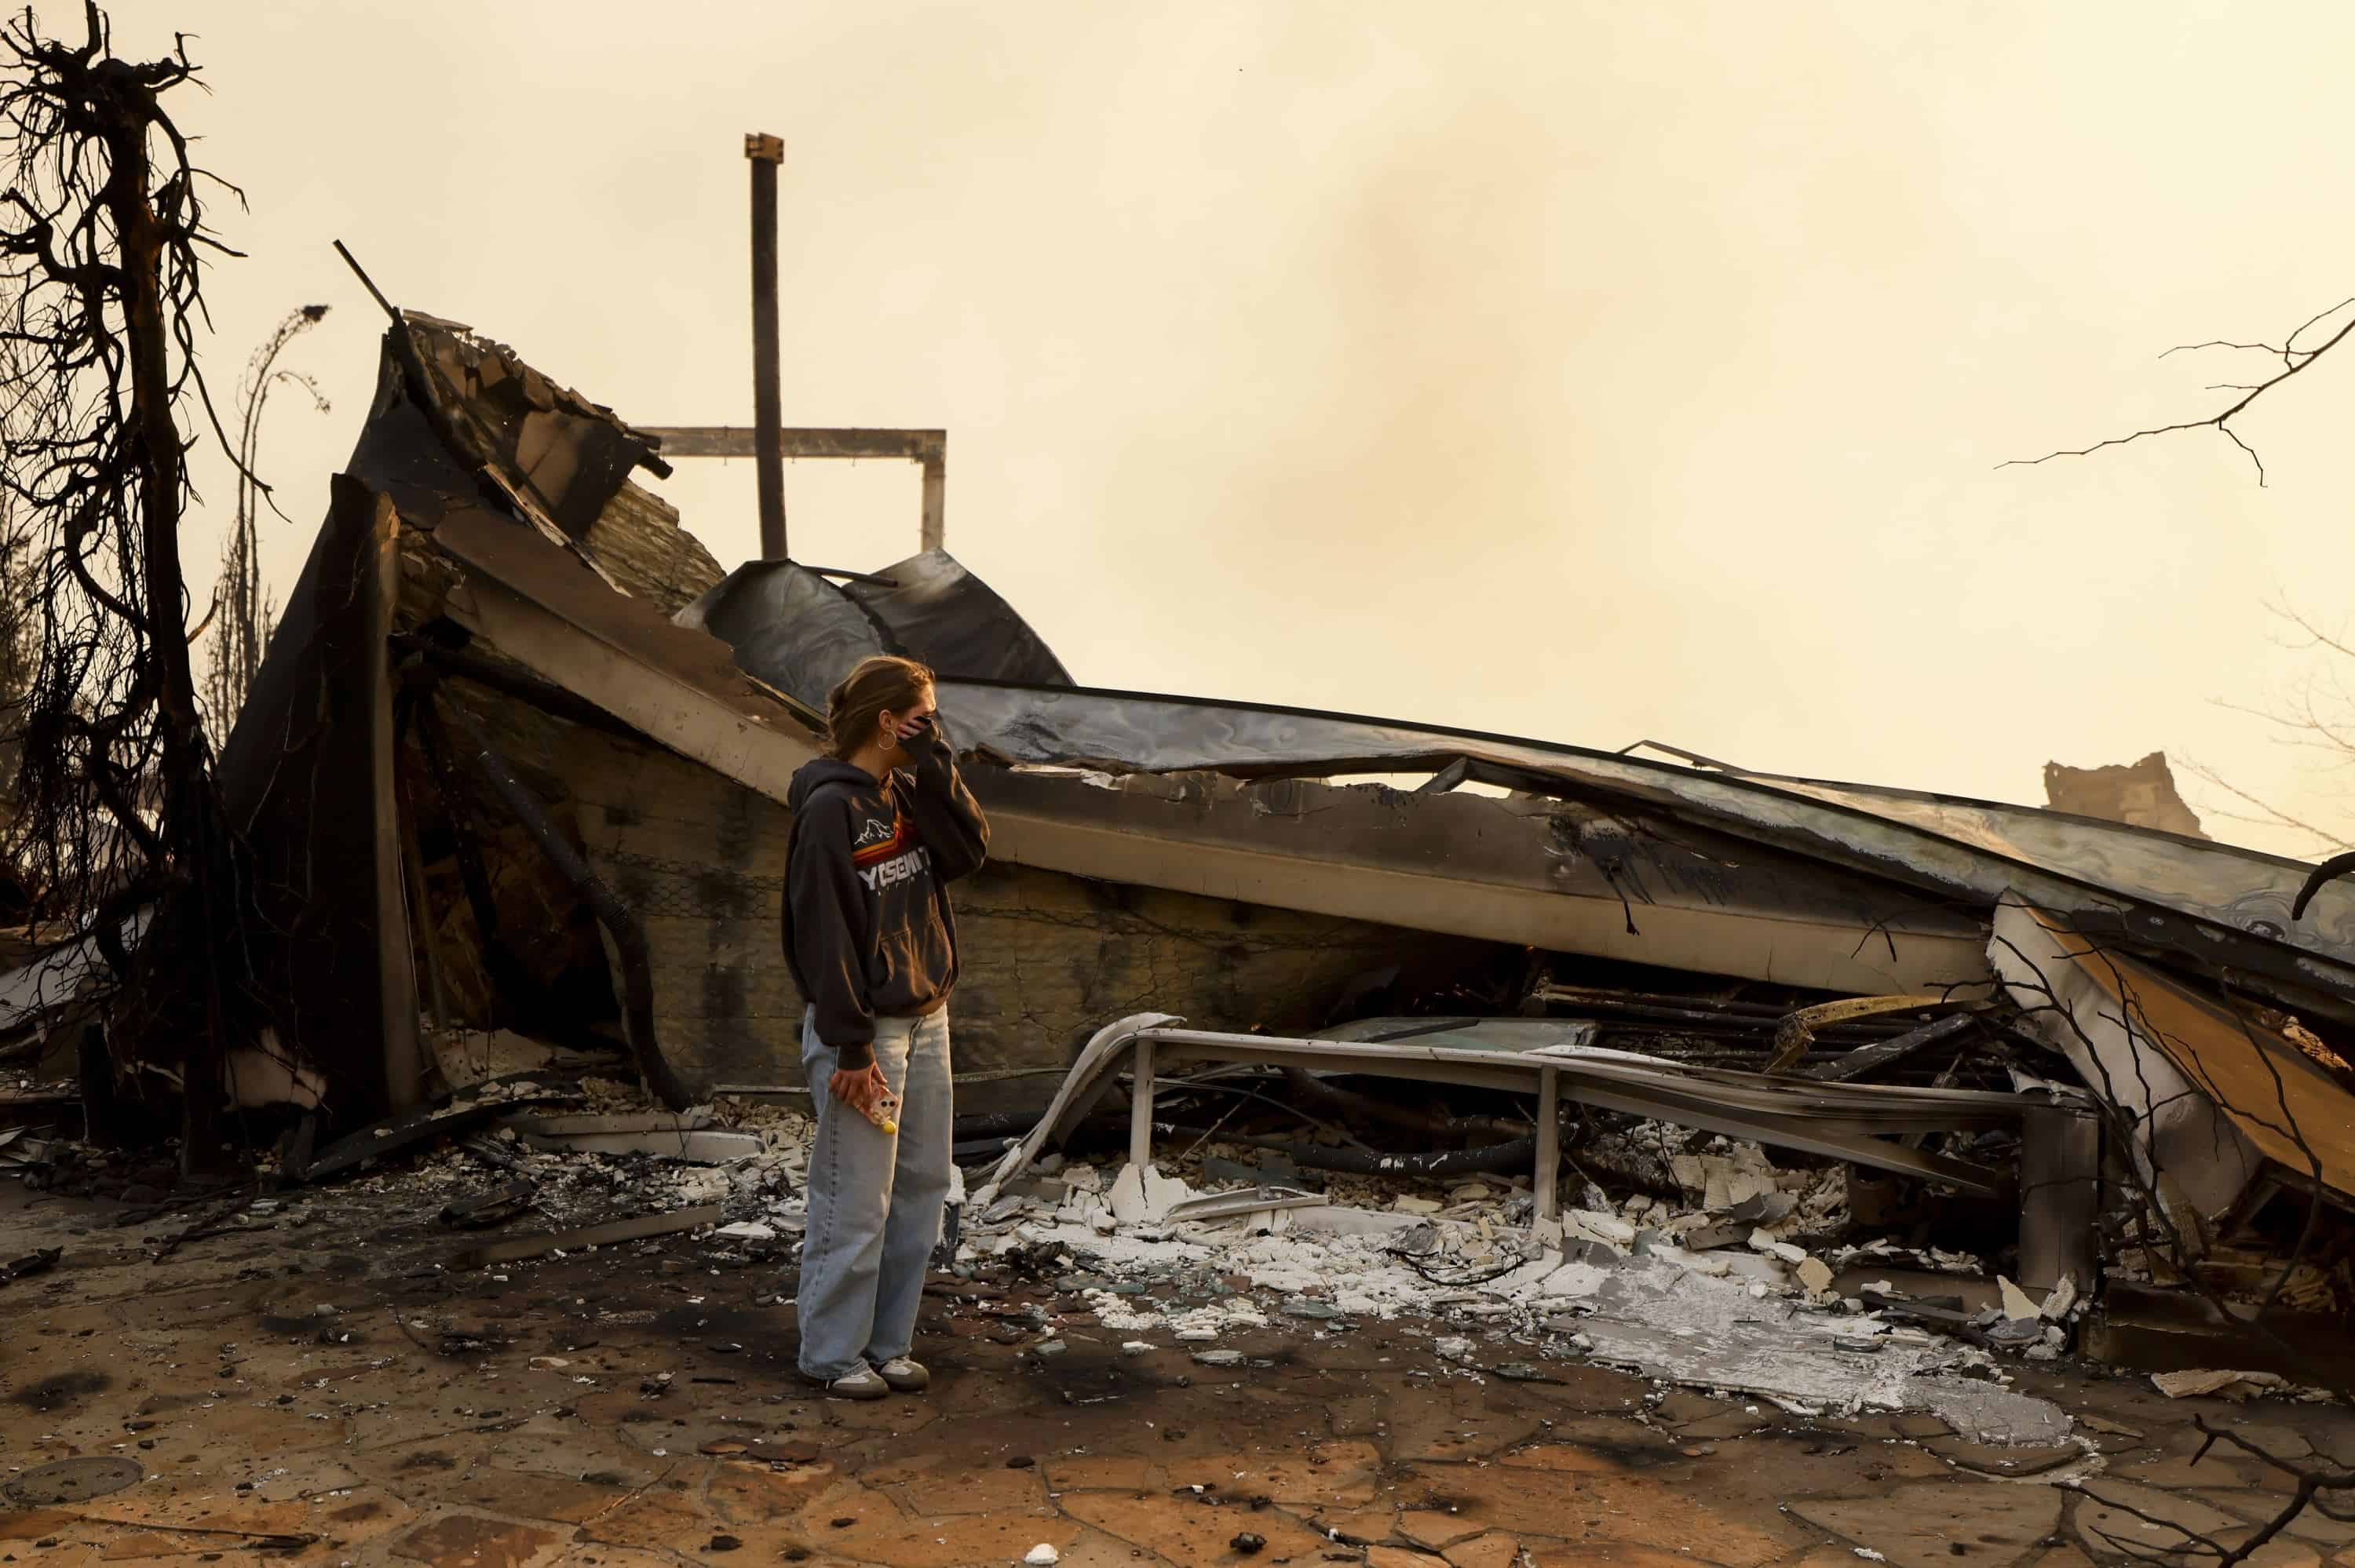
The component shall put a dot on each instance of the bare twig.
(237, 655)
(2272, 816)
(2041, 1000)
(2311, 1482)
(2294, 360)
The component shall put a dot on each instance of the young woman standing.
(881, 828)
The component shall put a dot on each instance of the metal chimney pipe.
(765, 152)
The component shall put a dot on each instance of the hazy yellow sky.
(1594, 372)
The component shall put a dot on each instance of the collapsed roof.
(485, 532)
(2211, 906)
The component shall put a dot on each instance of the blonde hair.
(880, 685)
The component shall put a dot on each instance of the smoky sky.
(1592, 372)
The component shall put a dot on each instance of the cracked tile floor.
(325, 1377)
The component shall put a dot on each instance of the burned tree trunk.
(189, 810)
(102, 294)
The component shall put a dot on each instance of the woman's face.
(899, 726)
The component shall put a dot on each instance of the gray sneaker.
(864, 1384)
(902, 1376)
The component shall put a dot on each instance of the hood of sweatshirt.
(826, 770)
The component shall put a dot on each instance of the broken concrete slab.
(1402, 1557)
(1917, 1524)
(2004, 1458)
(1605, 1510)
(2278, 1552)
(2276, 1438)
(1189, 1534)
(1735, 1422)
(1433, 1530)
(1498, 1548)
(2117, 1516)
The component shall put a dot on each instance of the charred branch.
(245, 612)
(2294, 358)
(2174, 1234)
(2326, 1490)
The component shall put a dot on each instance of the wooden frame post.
(1140, 1107)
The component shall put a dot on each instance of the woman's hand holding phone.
(867, 1092)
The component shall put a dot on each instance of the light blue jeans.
(875, 1199)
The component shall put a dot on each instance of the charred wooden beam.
(1884, 1053)
(928, 449)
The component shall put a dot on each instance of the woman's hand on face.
(928, 744)
(913, 723)
(862, 1090)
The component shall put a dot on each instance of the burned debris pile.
(1834, 1094)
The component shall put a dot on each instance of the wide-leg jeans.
(875, 1199)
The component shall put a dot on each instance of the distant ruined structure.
(2139, 794)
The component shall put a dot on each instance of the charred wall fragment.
(307, 778)
(1048, 958)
